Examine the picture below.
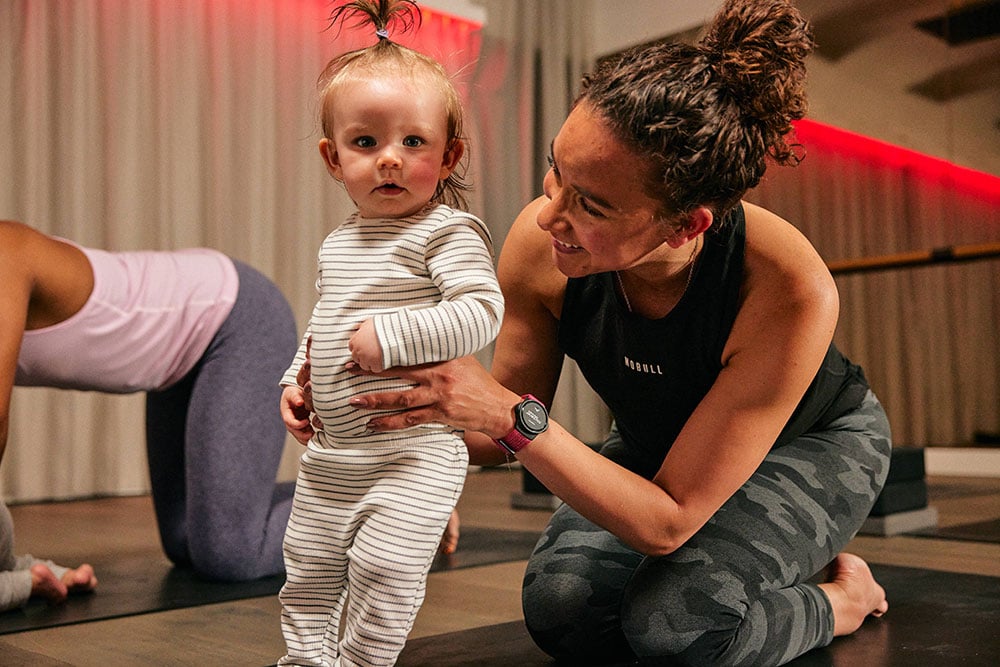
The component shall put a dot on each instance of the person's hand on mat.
(449, 541)
(45, 584)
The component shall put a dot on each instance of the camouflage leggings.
(736, 592)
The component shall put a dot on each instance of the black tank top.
(653, 373)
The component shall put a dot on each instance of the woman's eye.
(590, 210)
(552, 164)
(413, 142)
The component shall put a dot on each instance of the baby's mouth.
(389, 189)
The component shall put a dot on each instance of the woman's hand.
(449, 540)
(45, 584)
(460, 393)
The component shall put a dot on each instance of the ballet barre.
(958, 253)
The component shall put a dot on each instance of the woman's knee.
(676, 612)
(562, 623)
(571, 598)
(235, 556)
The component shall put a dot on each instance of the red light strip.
(836, 140)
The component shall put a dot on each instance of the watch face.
(534, 417)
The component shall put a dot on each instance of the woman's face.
(598, 214)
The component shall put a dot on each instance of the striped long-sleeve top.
(428, 284)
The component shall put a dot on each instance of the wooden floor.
(247, 632)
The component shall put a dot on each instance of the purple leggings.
(215, 439)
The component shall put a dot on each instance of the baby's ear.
(330, 158)
(451, 158)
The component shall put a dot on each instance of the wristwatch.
(530, 419)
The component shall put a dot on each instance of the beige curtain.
(533, 56)
(135, 124)
(927, 336)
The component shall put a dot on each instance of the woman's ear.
(330, 158)
(694, 224)
(451, 158)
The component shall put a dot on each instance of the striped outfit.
(370, 508)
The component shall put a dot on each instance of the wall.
(870, 80)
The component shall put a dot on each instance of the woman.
(207, 338)
(747, 451)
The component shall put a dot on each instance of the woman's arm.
(14, 300)
(778, 342)
(44, 282)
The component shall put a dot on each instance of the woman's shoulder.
(25, 244)
(14, 234)
(777, 250)
(785, 277)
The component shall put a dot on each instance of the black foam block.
(901, 497)
(907, 464)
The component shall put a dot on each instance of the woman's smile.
(561, 246)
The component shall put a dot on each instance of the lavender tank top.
(149, 320)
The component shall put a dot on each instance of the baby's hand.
(295, 414)
(45, 584)
(365, 348)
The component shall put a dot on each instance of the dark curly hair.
(709, 116)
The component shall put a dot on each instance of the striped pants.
(364, 529)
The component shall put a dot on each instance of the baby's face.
(389, 145)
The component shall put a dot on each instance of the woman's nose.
(551, 216)
(553, 212)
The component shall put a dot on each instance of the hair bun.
(757, 51)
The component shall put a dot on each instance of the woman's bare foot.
(45, 584)
(853, 593)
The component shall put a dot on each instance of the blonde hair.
(388, 58)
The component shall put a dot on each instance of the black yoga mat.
(145, 581)
(935, 619)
